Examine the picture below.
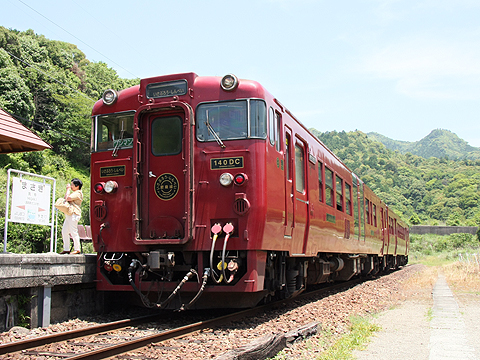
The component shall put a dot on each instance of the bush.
(429, 244)
(26, 238)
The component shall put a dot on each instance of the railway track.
(123, 337)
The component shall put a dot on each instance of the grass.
(327, 346)
(463, 277)
(429, 315)
(361, 329)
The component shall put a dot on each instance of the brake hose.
(228, 230)
(144, 299)
(216, 230)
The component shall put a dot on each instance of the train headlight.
(226, 179)
(109, 97)
(99, 187)
(229, 82)
(111, 186)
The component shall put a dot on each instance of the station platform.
(50, 269)
(58, 286)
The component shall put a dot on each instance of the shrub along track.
(208, 338)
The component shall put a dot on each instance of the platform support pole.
(44, 305)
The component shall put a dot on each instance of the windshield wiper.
(214, 134)
(119, 141)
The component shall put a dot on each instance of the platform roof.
(14, 137)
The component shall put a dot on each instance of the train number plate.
(112, 171)
(226, 163)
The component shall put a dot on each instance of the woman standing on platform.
(74, 196)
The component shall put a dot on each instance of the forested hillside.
(439, 143)
(425, 191)
(51, 87)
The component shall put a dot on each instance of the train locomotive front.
(208, 193)
(175, 163)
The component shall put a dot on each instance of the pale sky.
(397, 67)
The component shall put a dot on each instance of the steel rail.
(72, 334)
(122, 348)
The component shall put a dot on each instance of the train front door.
(163, 199)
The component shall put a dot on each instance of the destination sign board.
(166, 89)
(111, 171)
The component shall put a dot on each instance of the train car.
(208, 193)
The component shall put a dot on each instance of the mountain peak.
(440, 143)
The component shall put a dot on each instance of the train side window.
(355, 207)
(271, 125)
(374, 213)
(367, 210)
(299, 168)
(329, 186)
(370, 213)
(339, 186)
(348, 200)
(258, 119)
(320, 181)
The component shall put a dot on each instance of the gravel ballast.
(331, 312)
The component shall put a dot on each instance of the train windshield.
(113, 132)
(231, 120)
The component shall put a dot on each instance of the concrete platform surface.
(50, 269)
(438, 330)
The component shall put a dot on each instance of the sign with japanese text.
(30, 202)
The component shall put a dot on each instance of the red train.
(208, 192)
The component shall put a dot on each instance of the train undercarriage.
(185, 280)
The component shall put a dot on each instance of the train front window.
(230, 120)
(113, 132)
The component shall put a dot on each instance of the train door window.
(367, 210)
(374, 214)
(320, 181)
(339, 187)
(329, 186)
(288, 165)
(278, 128)
(167, 135)
(299, 168)
(275, 124)
(271, 125)
(348, 199)
(362, 208)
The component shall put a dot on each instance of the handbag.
(64, 206)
